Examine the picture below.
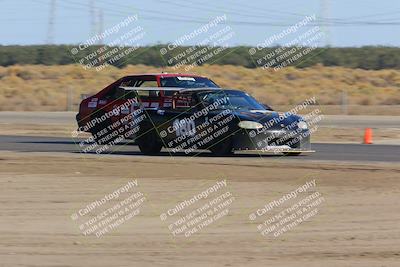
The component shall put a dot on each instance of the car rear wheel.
(222, 148)
(99, 127)
(148, 141)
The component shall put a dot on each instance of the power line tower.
(101, 26)
(324, 21)
(92, 15)
(50, 25)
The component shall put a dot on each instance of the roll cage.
(181, 98)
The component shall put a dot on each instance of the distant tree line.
(368, 57)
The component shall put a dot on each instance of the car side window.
(110, 94)
(149, 84)
(117, 93)
(184, 102)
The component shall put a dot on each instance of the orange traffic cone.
(368, 136)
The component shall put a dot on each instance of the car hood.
(272, 118)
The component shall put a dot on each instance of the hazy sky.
(350, 22)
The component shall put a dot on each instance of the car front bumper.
(279, 141)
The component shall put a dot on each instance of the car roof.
(165, 74)
(178, 89)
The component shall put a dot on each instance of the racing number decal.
(184, 127)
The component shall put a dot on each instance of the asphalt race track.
(338, 152)
(51, 118)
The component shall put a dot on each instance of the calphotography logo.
(126, 38)
(199, 211)
(288, 218)
(298, 43)
(108, 213)
(200, 133)
(184, 127)
(213, 39)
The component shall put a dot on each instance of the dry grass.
(36, 87)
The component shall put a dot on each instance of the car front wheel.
(222, 148)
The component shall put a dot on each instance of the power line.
(115, 13)
(322, 20)
(148, 11)
(259, 12)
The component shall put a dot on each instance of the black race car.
(215, 119)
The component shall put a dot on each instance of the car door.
(179, 125)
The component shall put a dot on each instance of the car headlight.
(250, 125)
(302, 125)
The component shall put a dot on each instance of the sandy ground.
(356, 225)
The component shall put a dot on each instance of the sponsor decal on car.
(92, 104)
(186, 79)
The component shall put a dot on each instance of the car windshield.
(187, 82)
(229, 99)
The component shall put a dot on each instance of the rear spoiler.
(175, 89)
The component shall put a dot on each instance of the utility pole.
(101, 26)
(344, 102)
(324, 21)
(50, 26)
(92, 18)
(70, 98)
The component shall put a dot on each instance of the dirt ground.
(356, 225)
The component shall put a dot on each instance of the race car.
(195, 117)
(222, 121)
(110, 97)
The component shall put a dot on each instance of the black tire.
(148, 141)
(291, 153)
(222, 148)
